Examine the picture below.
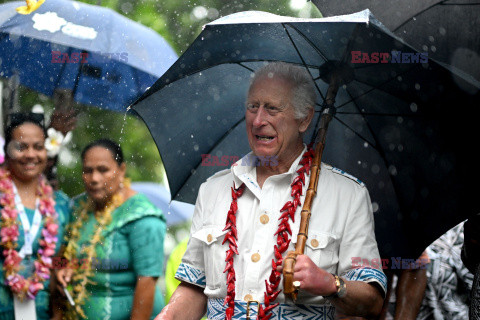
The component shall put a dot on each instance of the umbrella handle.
(289, 262)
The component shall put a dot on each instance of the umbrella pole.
(327, 114)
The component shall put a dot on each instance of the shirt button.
(264, 219)
(209, 238)
(255, 257)
(248, 297)
(314, 243)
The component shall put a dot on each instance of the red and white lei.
(20, 286)
(283, 241)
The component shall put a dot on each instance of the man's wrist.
(340, 288)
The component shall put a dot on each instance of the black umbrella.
(446, 29)
(402, 128)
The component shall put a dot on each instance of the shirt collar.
(244, 172)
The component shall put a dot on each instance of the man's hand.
(312, 279)
(362, 299)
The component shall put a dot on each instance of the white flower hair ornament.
(55, 141)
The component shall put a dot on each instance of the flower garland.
(20, 286)
(283, 242)
(82, 276)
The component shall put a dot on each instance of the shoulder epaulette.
(345, 174)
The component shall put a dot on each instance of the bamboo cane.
(289, 262)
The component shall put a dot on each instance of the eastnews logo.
(389, 57)
(85, 57)
(396, 263)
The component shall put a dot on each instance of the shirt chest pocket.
(213, 254)
(322, 248)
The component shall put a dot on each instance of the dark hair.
(108, 144)
(17, 119)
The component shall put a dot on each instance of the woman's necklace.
(283, 242)
(83, 275)
(20, 286)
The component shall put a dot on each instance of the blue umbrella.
(106, 59)
(176, 212)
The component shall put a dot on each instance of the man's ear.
(306, 122)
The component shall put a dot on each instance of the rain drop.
(375, 168)
(375, 207)
(417, 86)
(365, 144)
(413, 107)
(392, 170)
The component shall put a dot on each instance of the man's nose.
(260, 117)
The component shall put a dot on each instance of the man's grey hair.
(304, 93)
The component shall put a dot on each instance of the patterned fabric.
(475, 306)
(216, 311)
(42, 299)
(191, 275)
(449, 281)
(132, 247)
(367, 275)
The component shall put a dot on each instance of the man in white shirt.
(247, 218)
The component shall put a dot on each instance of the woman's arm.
(143, 298)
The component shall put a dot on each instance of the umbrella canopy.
(402, 128)
(106, 59)
(174, 211)
(446, 29)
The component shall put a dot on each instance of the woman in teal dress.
(114, 253)
(29, 210)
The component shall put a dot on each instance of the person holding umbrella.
(246, 219)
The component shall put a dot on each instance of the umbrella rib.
(244, 66)
(357, 134)
(301, 57)
(372, 89)
(219, 141)
(62, 69)
(417, 14)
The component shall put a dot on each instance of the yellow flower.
(31, 6)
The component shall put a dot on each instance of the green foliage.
(141, 155)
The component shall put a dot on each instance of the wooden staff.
(289, 263)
